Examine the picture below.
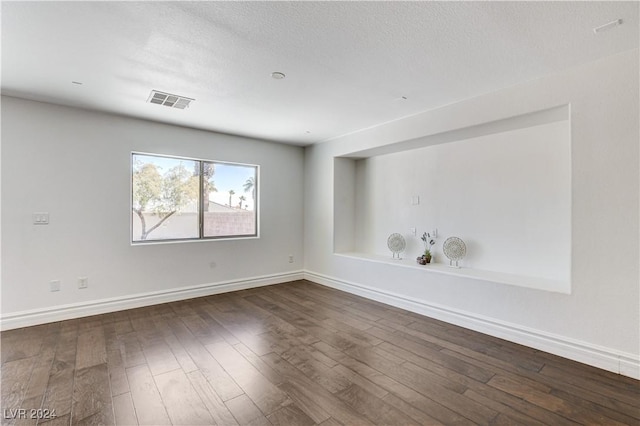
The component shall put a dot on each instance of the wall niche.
(504, 187)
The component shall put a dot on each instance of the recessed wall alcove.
(504, 187)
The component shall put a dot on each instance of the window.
(176, 198)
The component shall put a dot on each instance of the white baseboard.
(96, 307)
(622, 363)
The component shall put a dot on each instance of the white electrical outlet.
(290, 258)
(413, 231)
(83, 282)
(54, 285)
(41, 218)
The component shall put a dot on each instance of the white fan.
(396, 244)
(455, 249)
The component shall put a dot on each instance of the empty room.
(320, 213)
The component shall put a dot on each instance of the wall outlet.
(54, 285)
(413, 231)
(83, 282)
(290, 258)
(41, 218)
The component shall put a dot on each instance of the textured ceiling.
(348, 65)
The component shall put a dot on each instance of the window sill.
(191, 240)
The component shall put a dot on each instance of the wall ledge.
(536, 283)
(102, 306)
(619, 362)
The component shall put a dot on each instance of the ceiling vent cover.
(167, 99)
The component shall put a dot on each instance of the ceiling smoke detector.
(169, 100)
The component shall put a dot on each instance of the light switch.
(41, 218)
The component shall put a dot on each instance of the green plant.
(428, 243)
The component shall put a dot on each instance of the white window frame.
(201, 237)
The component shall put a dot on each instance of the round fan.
(455, 249)
(396, 244)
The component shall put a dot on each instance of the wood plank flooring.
(293, 354)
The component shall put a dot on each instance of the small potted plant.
(428, 243)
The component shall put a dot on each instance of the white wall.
(599, 322)
(507, 195)
(75, 165)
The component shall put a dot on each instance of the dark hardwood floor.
(294, 354)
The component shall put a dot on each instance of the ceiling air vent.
(167, 99)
